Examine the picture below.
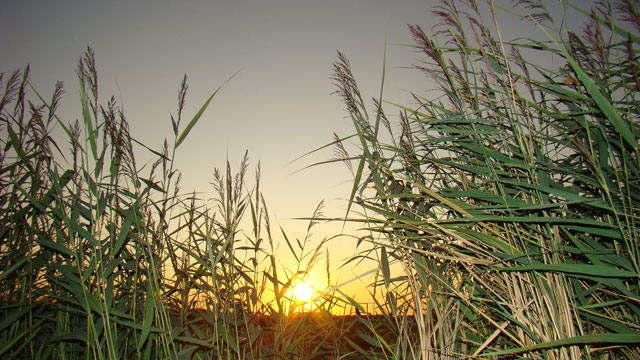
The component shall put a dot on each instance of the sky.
(278, 107)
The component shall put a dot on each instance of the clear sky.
(278, 107)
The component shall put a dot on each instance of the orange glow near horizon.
(302, 294)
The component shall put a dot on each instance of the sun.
(303, 292)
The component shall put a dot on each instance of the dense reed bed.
(509, 194)
(507, 198)
(102, 257)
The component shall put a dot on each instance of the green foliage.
(510, 199)
(103, 259)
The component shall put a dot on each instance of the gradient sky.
(278, 107)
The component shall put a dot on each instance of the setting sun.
(304, 292)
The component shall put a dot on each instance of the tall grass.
(509, 198)
(102, 257)
(509, 201)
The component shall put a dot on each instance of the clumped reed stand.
(503, 214)
(509, 197)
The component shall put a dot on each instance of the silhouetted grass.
(104, 258)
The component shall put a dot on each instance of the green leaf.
(578, 269)
(174, 126)
(356, 184)
(80, 230)
(13, 268)
(384, 264)
(124, 232)
(149, 312)
(15, 315)
(30, 332)
(609, 24)
(160, 155)
(562, 91)
(88, 123)
(54, 246)
(197, 116)
(496, 66)
(379, 109)
(605, 106)
(592, 339)
(19, 150)
(152, 185)
(493, 241)
(187, 352)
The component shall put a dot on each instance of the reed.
(508, 201)
(103, 258)
(508, 195)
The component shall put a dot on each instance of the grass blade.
(198, 114)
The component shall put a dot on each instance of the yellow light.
(303, 292)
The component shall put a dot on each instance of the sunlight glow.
(303, 292)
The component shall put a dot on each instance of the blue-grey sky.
(278, 107)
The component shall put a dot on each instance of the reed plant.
(102, 257)
(509, 194)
